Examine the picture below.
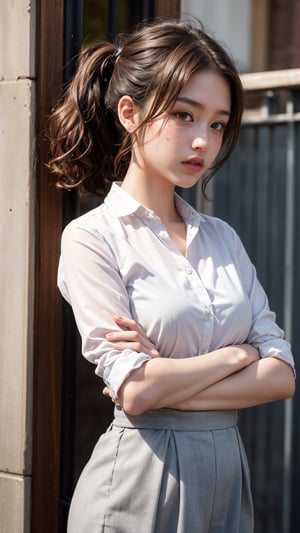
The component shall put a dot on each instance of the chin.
(188, 183)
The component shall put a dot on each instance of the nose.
(200, 140)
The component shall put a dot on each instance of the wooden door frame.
(167, 8)
(48, 323)
(48, 344)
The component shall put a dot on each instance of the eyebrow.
(194, 103)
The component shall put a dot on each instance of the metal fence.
(258, 193)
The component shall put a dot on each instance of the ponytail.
(84, 139)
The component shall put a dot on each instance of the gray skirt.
(165, 471)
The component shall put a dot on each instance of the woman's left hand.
(134, 338)
(131, 336)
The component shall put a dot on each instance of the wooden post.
(167, 8)
(48, 311)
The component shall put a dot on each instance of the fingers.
(136, 346)
(129, 323)
(108, 394)
(125, 335)
(132, 333)
(131, 336)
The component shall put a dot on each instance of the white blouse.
(118, 259)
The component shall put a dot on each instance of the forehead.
(208, 88)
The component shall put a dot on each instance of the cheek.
(216, 145)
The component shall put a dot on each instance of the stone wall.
(17, 121)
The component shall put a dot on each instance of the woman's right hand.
(131, 336)
(134, 338)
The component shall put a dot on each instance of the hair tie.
(110, 66)
(117, 53)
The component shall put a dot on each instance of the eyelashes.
(184, 116)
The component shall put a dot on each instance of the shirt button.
(163, 234)
(208, 314)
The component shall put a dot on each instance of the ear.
(128, 113)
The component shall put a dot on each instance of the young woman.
(166, 299)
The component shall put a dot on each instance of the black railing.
(258, 193)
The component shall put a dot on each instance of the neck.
(159, 197)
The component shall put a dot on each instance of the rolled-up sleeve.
(89, 279)
(264, 334)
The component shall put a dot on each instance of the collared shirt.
(118, 259)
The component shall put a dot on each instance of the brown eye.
(218, 126)
(184, 116)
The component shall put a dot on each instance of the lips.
(193, 164)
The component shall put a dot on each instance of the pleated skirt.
(165, 471)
